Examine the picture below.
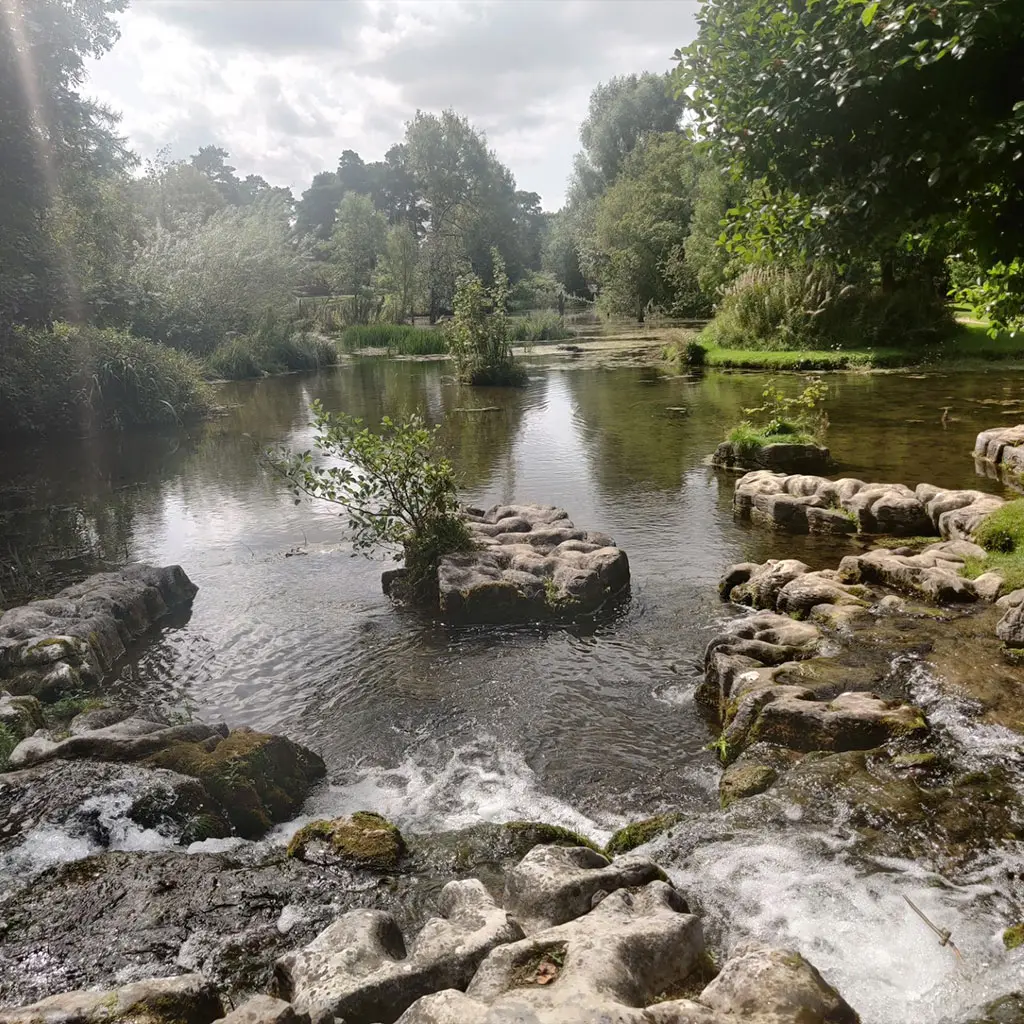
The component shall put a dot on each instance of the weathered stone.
(762, 588)
(778, 457)
(804, 592)
(186, 999)
(359, 968)
(743, 780)
(48, 647)
(262, 1009)
(1010, 628)
(554, 884)
(640, 832)
(759, 981)
(20, 716)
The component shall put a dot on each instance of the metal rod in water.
(945, 936)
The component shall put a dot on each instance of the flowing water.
(587, 726)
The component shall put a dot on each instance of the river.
(589, 726)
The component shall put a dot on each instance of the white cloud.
(286, 85)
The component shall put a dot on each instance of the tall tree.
(358, 240)
(398, 273)
(874, 124)
(49, 137)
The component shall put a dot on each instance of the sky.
(285, 85)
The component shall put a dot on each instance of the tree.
(50, 137)
(398, 277)
(316, 210)
(875, 126)
(561, 256)
(359, 237)
(641, 227)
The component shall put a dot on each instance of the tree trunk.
(888, 275)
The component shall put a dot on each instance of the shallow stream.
(590, 726)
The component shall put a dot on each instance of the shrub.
(782, 419)
(402, 339)
(538, 327)
(478, 333)
(779, 308)
(693, 354)
(275, 346)
(391, 484)
(79, 378)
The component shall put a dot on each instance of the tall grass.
(780, 308)
(69, 377)
(274, 346)
(538, 326)
(400, 339)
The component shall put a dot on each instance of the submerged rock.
(58, 645)
(365, 839)
(530, 564)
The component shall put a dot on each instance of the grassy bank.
(1001, 534)
(250, 357)
(968, 347)
(71, 378)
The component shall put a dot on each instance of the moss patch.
(1014, 937)
(640, 832)
(8, 741)
(365, 840)
(745, 780)
(258, 779)
(541, 834)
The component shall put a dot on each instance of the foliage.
(357, 243)
(391, 485)
(780, 413)
(8, 741)
(54, 142)
(779, 307)
(397, 338)
(70, 377)
(398, 278)
(538, 327)
(274, 346)
(221, 275)
(561, 258)
(478, 333)
(1003, 529)
(693, 353)
(747, 439)
(790, 93)
(537, 290)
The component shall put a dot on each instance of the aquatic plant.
(390, 483)
(784, 419)
(401, 339)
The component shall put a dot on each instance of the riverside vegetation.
(802, 262)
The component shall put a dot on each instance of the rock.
(359, 968)
(785, 458)
(262, 1009)
(739, 781)
(988, 586)
(97, 718)
(20, 716)
(853, 721)
(927, 575)
(623, 955)
(640, 832)
(260, 779)
(554, 884)
(92, 801)
(811, 589)
(759, 981)
(364, 839)
(186, 999)
(1002, 447)
(764, 584)
(530, 564)
(53, 646)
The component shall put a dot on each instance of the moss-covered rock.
(259, 779)
(364, 840)
(640, 832)
(743, 780)
(1014, 936)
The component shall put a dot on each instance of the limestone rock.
(743, 780)
(50, 647)
(360, 970)
(186, 999)
(21, 716)
(759, 981)
(261, 1009)
(555, 884)
(530, 564)
(780, 457)
(1010, 628)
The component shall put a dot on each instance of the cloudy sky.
(286, 85)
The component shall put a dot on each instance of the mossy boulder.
(259, 779)
(364, 840)
(640, 832)
(1014, 937)
(743, 780)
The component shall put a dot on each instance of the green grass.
(746, 438)
(1001, 534)
(247, 357)
(535, 326)
(969, 346)
(398, 339)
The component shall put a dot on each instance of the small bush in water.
(797, 419)
(390, 483)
